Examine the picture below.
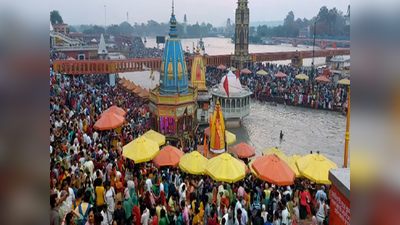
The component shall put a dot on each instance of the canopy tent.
(302, 77)
(131, 87)
(252, 169)
(275, 151)
(272, 169)
(122, 81)
(262, 72)
(127, 83)
(144, 94)
(280, 75)
(109, 121)
(225, 168)
(116, 110)
(221, 67)
(141, 150)
(244, 151)
(168, 156)
(137, 90)
(315, 167)
(245, 71)
(193, 163)
(344, 81)
(323, 79)
(155, 136)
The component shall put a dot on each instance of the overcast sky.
(215, 12)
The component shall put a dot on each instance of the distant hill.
(268, 23)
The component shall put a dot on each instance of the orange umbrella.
(244, 151)
(109, 121)
(322, 79)
(245, 71)
(221, 67)
(280, 75)
(272, 169)
(122, 81)
(116, 110)
(168, 156)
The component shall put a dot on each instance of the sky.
(216, 12)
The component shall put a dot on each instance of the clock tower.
(241, 59)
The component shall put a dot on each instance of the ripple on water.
(304, 130)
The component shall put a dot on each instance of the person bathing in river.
(281, 136)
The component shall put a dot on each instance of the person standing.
(321, 209)
(303, 203)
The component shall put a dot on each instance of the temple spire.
(172, 8)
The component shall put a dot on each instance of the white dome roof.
(233, 82)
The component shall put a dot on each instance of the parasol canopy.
(315, 167)
(131, 86)
(122, 81)
(233, 69)
(302, 76)
(344, 81)
(323, 79)
(272, 169)
(141, 150)
(230, 137)
(244, 151)
(193, 163)
(127, 83)
(137, 90)
(291, 161)
(144, 93)
(245, 71)
(280, 75)
(221, 67)
(168, 156)
(109, 121)
(116, 110)
(225, 168)
(252, 169)
(262, 72)
(275, 151)
(155, 136)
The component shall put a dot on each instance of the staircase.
(72, 41)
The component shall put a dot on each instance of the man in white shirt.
(285, 215)
(145, 217)
(149, 184)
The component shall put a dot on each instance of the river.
(304, 129)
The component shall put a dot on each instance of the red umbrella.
(244, 151)
(109, 121)
(272, 169)
(280, 75)
(168, 156)
(322, 79)
(221, 67)
(245, 71)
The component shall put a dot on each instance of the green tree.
(55, 17)
(126, 29)
(113, 29)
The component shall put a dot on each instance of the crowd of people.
(139, 50)
(289, 90)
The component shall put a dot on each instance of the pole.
(105, 17)
(346, 145)
(313, 55)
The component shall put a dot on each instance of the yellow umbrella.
(226, 168)
(155, 136)
(276, 151)
(262, 72)
(230, 137)
(291, 161)
(251, 168)
(233, 69)
(193, 163)
(344, 81)
(302, 77)
(315, 167)
(141, 150)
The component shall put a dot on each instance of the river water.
(304, 129)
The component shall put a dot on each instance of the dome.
(233, 82)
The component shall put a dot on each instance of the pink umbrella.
(322, 79)
(221, 67)
(245, 71)
(280, 75)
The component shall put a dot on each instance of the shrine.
(173, 104)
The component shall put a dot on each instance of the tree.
(289, 19)
(55, 17)
(71, 29)
(113, 29)
(126, 29)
